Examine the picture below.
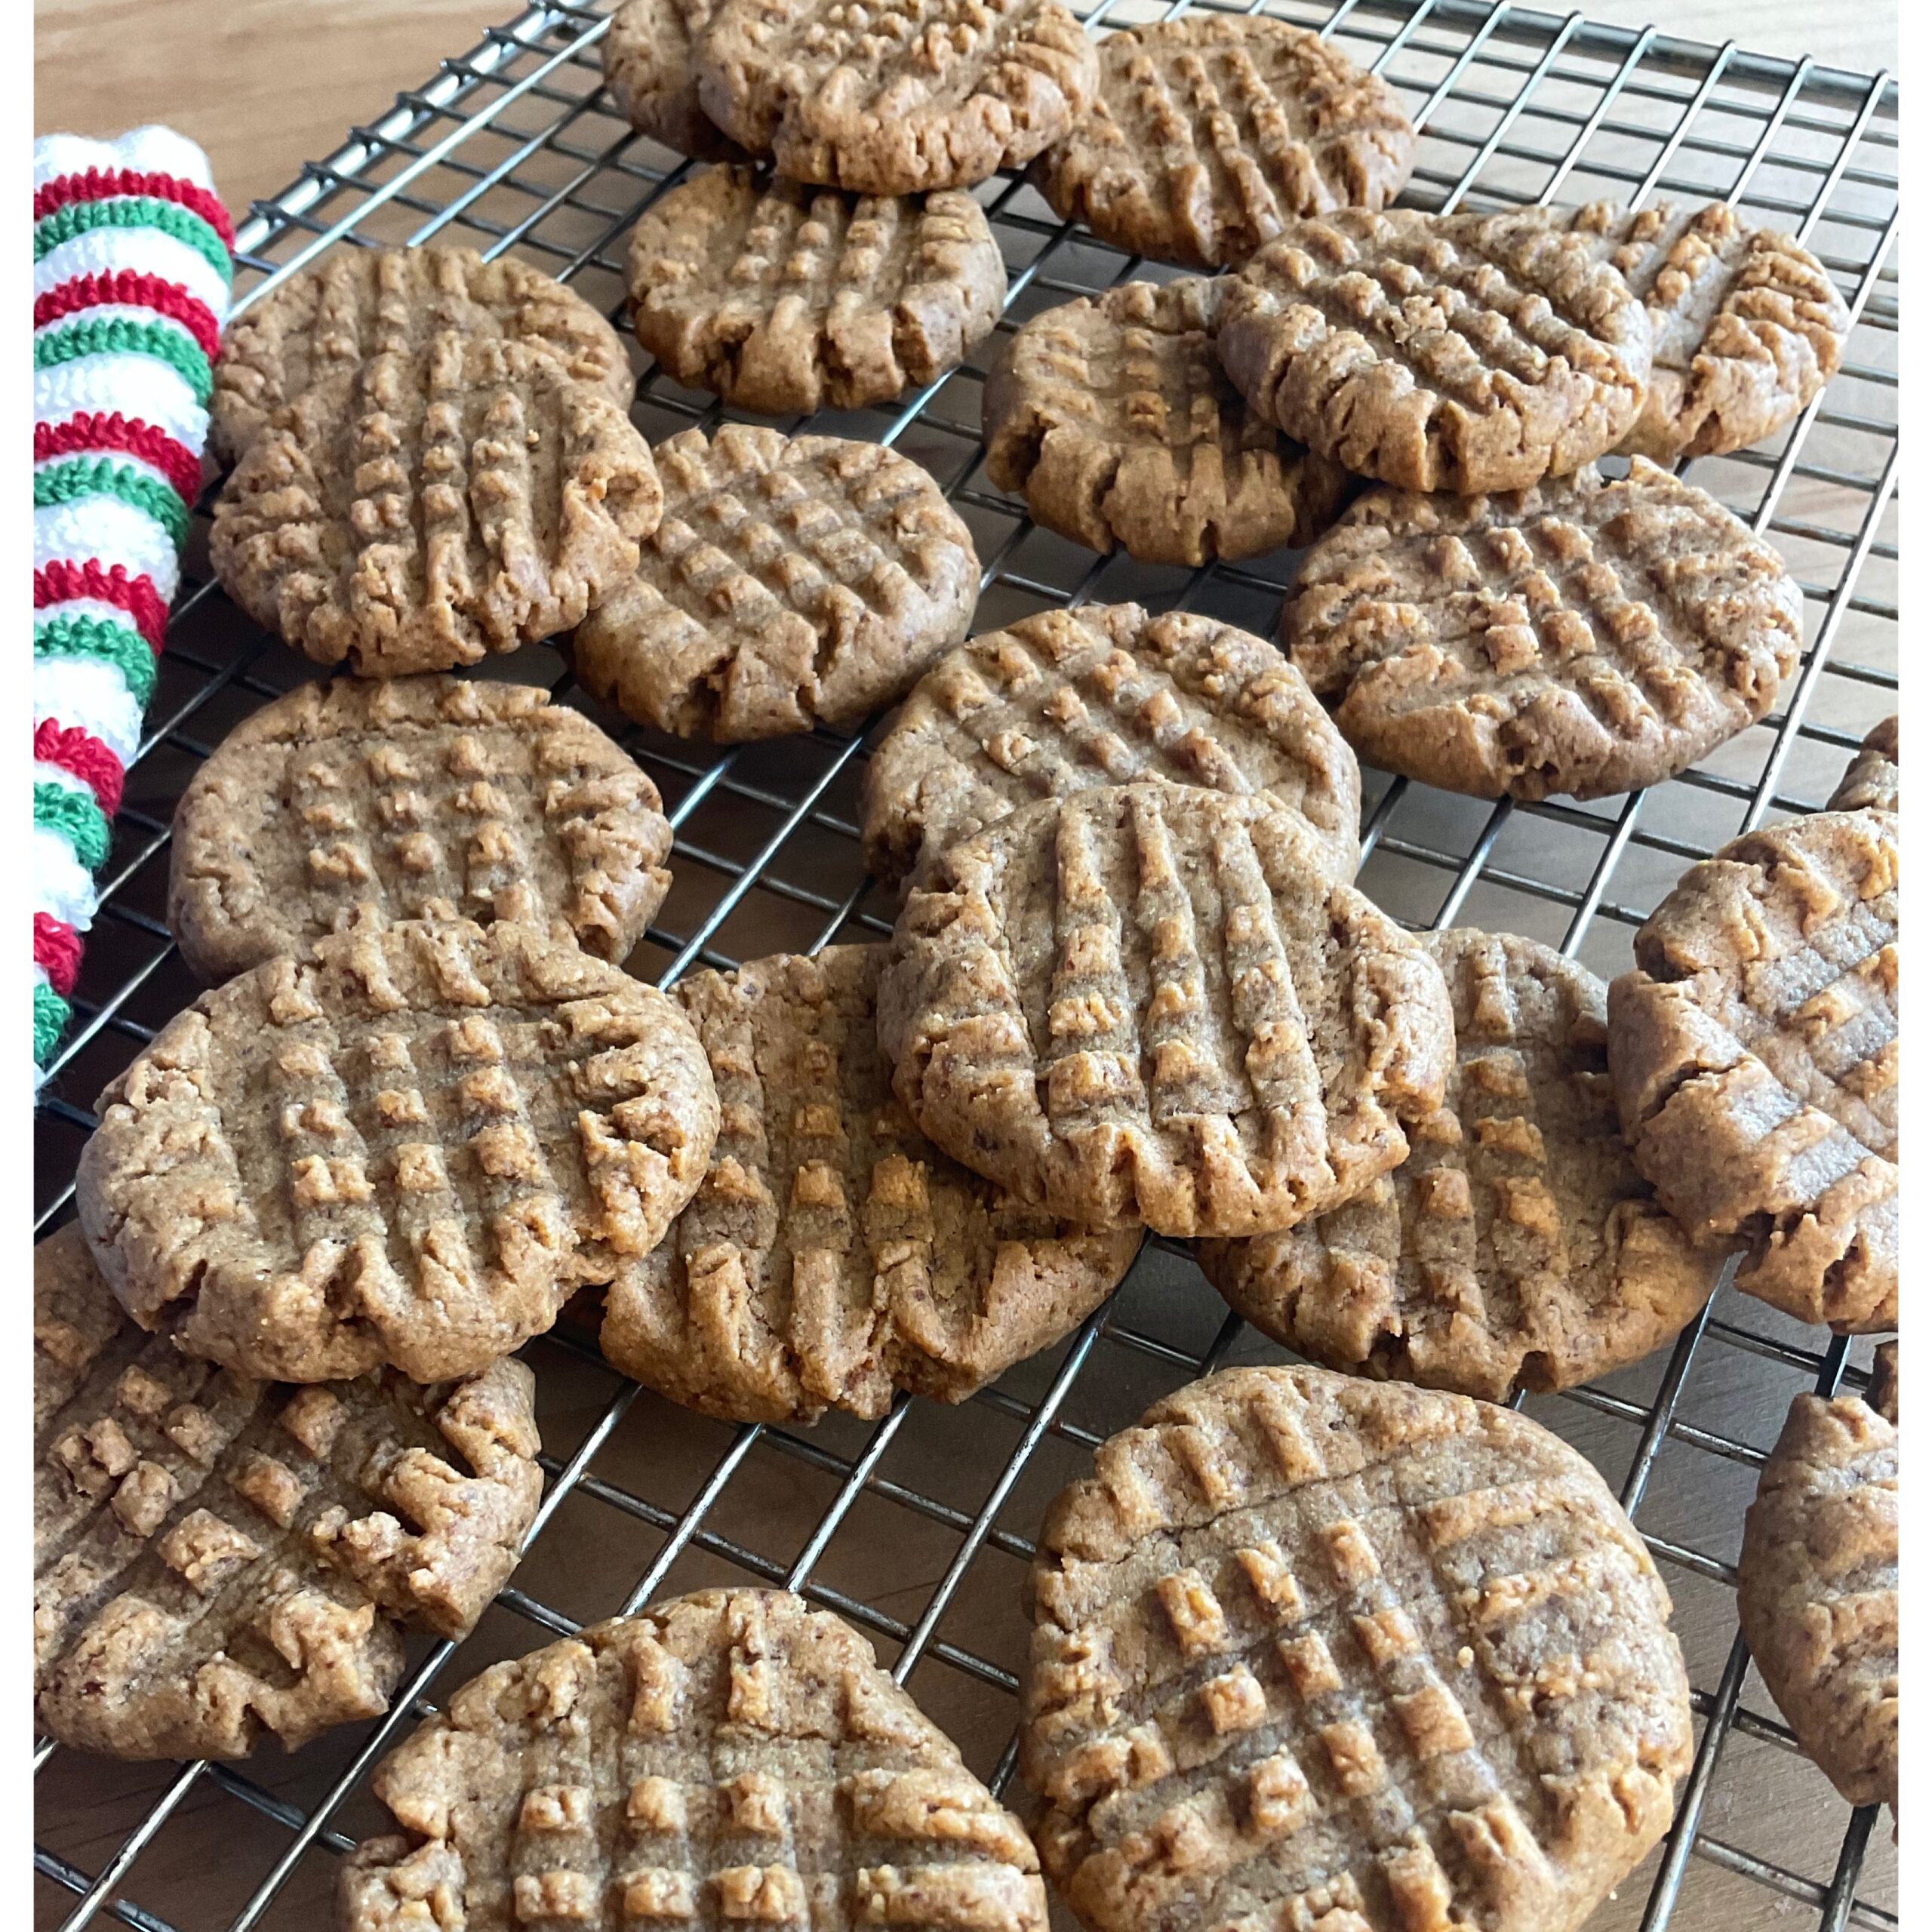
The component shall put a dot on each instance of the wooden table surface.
(265, 85)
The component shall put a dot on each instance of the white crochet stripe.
(145, 250)
(45, 773)
(89, 606)
(86, 692)
(40, 979)
(62, 885)
(142, 385)
(151, 150)
(110, 531)
(139, 463)
(125, 311)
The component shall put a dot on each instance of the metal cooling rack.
(917, 1528)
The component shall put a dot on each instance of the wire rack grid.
(917, 1528)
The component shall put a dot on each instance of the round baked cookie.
(1151, 1002)
(1312, 1651)
(1100, 695)
(648, 66)
(410, 1149)
(898, 98)
(1872, 778)
(1754, 1051)
(1818, 1590)
(1746, 327)
(357, 303)
(1211, 132)
(786, 300)
(427, 509)
(1585, 636)
(734, 1757)
(1516, 1247)
(833, 1253)
(214, 1558)
(793, 581)
(352, 802)
(1466, 352)
(1116, 421)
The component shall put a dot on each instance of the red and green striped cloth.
(132, 270)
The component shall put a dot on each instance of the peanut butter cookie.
(1818, 1590)
(833, 1253)
(427, 509)
(1463, 352)
(1311, 1651)
(1516, 1247)
(1116, 420)
(411, 1148)
(350, 804)
(793, 581)
(1755, 1050)
(1586, 636)
(1151, 1002)
(358, 303)
(1102, 694)
(214, 1558)
(789, 299)
(1211, 131)
(896, 98)
(734, 1757)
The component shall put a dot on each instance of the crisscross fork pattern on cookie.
(1340, 1659)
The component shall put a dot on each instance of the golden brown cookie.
(1211, 131)
(1464, 353)
(351, 803)
(1151, 1002)
(1310, 1651)
(1114, 420)
(833, 1253)
(1872, 778)
(898, 98)
(410, 1149)
(793, 581)
(428, 509)
(1586, 636)
(357, 303)
(786, 300)
(1516, 1247)
(648, 66)
(1818, 1590)
(734, 1758)
(1755, 1050)
(1102, 694)
(1746, 327)
(214, 1558)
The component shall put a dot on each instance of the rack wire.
(917, 1528)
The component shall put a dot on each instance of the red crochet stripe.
(90, 432)
(101, 184)
(56, 952)
(60, 582)
(137, 291)
(79, 751)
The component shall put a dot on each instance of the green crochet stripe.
(99, 476)
(133, 211)
(116, 335)
(80, 635)
(50, 1015)
(74, 814)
